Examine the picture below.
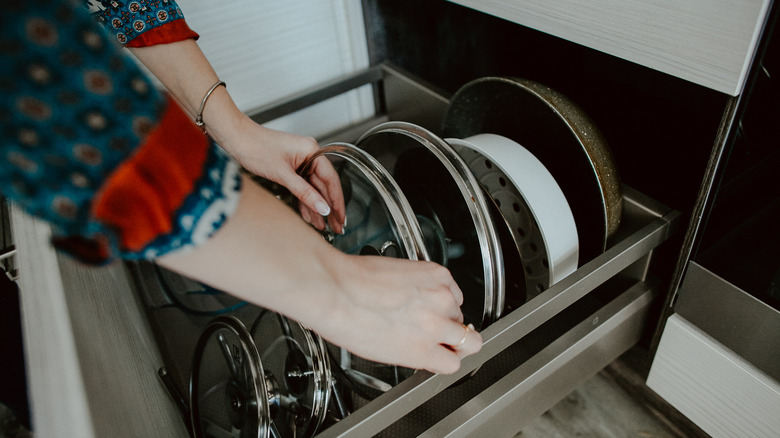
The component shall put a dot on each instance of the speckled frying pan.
(560, 135)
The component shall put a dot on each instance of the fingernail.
(322, 208)
(344, 226)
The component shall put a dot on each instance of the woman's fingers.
(326, 181)
(312, 217)
(470, 341)
(277, 155)
(320, 196)
(399, 312)
(443, 361)
(446, 358)
(455, 291)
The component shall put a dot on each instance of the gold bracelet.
(199, 118)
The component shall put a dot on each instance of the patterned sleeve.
(91, 146)
(141, 23)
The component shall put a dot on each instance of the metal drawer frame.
(567, 362)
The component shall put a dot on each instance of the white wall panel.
(718, 390)
(267, 50)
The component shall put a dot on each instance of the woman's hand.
(187, 74)
(277, 155)
(399, 312)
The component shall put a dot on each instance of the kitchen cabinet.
(708, 42)
(105, 376)
(706, 363)
(717, 354)
(659, 78)
(718, 359)
(720, 369)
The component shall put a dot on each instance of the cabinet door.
(708, 42)
(718, 359)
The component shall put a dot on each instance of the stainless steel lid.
(380, 221)
(297, 373)
(229, 394)
(449, 204)
(272, 381)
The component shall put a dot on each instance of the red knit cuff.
(176, 30)
(140, 198)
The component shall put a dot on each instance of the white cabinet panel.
(266, 51)
(91, 358)
(709, 42)
(718, 390)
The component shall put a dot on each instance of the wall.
(267, 51)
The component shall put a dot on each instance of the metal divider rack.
(533, 356)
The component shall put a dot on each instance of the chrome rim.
(490, 248)
(228, 390)
(408, 229)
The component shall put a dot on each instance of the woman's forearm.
(264, 254)
(383, 309)
(187, 74)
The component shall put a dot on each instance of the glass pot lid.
(229, 393)
(296, 363)
(380, 220)
(272, 381)
(451, 208)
